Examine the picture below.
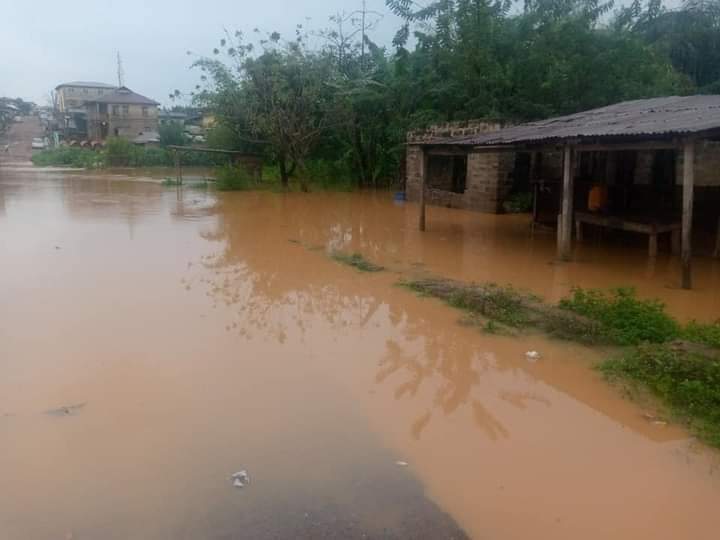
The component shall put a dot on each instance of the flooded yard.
(155, 341)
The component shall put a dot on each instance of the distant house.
(122, 113)
(75, 95)
(71, 103)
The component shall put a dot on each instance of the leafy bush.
(118, 151)
(626, 319)
(69, 156)
(234, 178)
(707, 334)
(688, 382)
(328, 175)
(519, 203)
(172, 133)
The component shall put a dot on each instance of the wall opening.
(448, 173)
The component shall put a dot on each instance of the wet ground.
(153, 342)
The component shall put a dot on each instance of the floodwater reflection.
(220, 335)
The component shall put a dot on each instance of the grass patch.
(68, 156)
(505, 308)
(356, 260)
(170, 182)
(684, 375)
(686, 379)
(625, 318)
(706, 334)
(235, 178)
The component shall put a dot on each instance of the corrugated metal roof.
(639, 119)
(125, 96)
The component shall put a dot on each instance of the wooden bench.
(649, 227)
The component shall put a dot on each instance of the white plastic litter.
(240, 479)
(532, 356)
(402, 463)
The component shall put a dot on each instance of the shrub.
(172, 134)
(707, 334)
(234, 178)
(688, 382)
(69, 156)
(519, 203)
(625, 319)
(118, 151)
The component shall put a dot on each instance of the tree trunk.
(284, 176)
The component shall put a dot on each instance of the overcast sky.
(46, 42)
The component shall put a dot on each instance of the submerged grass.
(685, 379)
(356, 260)
(678, 364)
(507, 308)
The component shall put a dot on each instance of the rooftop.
(87, 84)
(125, 96)
(639, 119)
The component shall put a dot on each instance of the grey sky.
(46, 42)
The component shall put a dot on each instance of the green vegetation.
(505, 309)
(519, 203)
(678, 364)
(356, 260)
(686, 380)
(347, 99)
(119, 152)
(68, 156)
(625, 319)
(234, 178)
(172, 134)
(706, 334)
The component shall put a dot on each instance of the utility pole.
(120, 71)
(362, 53)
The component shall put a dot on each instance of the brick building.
(458, 178)
(122, 113)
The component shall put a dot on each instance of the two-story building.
(71, 100)
(96, 111)
(122, 113)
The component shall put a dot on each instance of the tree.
(278, 98)
(171, 134)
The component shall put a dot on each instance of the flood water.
(153, 342)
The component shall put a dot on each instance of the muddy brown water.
(189, 335)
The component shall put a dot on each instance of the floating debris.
(655, 420)
(402, 463)
(67, 410)
(532, 356)
(240, 479)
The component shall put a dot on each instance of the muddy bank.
(202, 341)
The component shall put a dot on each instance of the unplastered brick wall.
(465, 128)
(488, 178)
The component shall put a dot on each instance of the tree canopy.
(349, 101)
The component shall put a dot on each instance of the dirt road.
(19, 139)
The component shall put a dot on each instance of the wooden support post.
(652, 245)
(687, 215)
(565, 244)
(423, 184)
(178, 172)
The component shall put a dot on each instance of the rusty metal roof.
(640, 119)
